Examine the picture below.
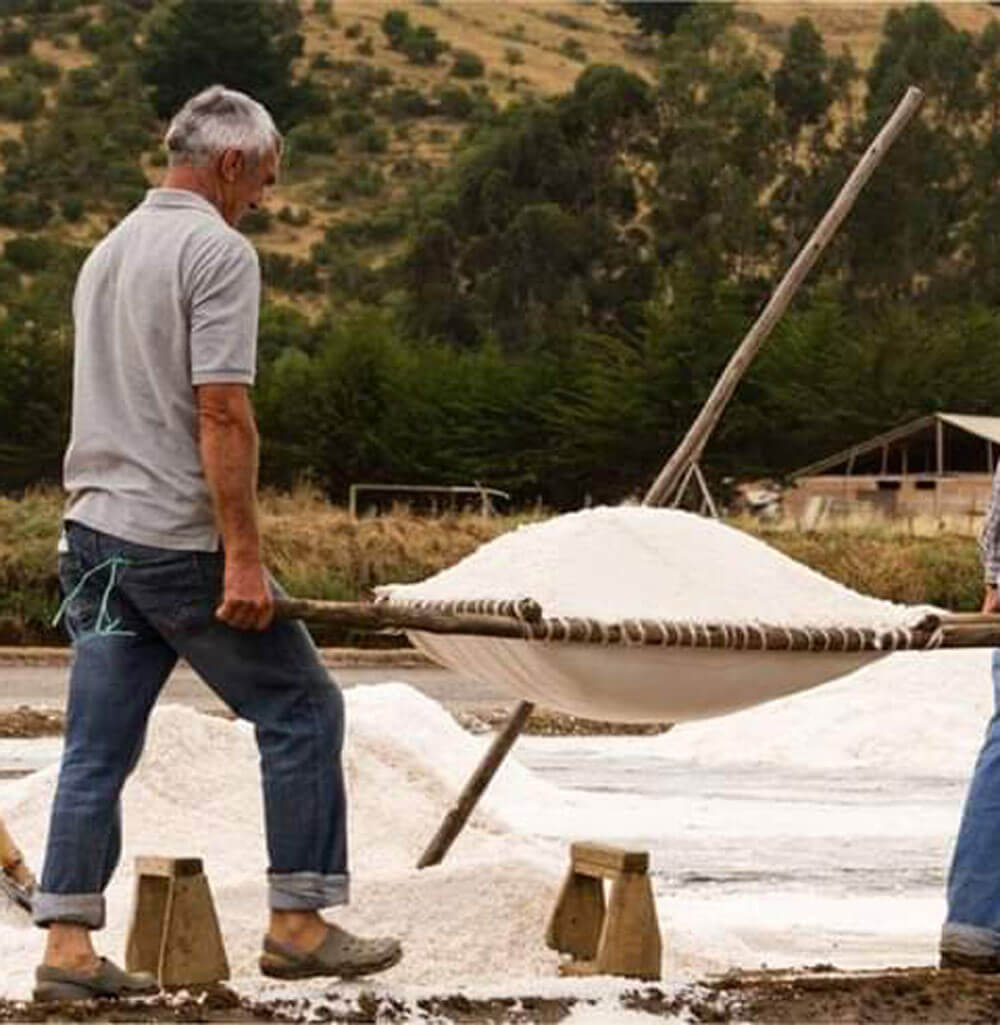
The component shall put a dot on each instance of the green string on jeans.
(105, 626)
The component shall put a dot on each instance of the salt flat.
(815, 829)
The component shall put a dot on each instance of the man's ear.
(231, 165)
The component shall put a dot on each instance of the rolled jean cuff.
(306, 891)
(973, 940)
(73, 908)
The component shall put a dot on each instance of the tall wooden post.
(690, 449)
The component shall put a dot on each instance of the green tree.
(800, 87)
(718, 150)
(248, 45)
(529, 236)
(659, 16)
(906, 221)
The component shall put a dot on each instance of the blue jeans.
(973, 922)
(132, 618)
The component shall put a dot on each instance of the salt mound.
(622, 562)
(196, 792)
(915, 713)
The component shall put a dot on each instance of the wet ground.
(921, 996)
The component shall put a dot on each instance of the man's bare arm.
(229, 449)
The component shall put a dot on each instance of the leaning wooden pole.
(455, 820)
(690, 449)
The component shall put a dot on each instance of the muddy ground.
(817, 996)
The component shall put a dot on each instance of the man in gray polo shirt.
(160, 559)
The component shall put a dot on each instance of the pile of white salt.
(623, 562)
(196, 793)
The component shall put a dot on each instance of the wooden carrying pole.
(690, 449)
(378, 616)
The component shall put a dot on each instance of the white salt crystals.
(613, 563)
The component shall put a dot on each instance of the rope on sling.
(929, 634)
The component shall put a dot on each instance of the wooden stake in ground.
(689, 451)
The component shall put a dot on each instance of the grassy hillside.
(857, 26)
(396, 123)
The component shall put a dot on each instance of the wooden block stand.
(174, 932)
(623, 939)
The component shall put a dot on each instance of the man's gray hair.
(218, 119)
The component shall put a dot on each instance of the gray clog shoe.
(341, 954)
(108, 981)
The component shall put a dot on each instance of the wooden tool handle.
(12, 862)
(9, 853)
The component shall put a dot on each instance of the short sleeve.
(225, 301)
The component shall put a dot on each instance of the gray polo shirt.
(167, 301)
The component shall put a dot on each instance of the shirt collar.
(179, 199)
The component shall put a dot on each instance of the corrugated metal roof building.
(940, 464)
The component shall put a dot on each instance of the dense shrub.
(373, 140)
(407, 102)
(83, 87)
(311, 138)
(30, 254)
(256, 222)
(289, 274)
(383, 227)
(512, 55)
(456, 102)
(363, 179)
(21, 98)
(72, 208)
(352, 121)
(366, 48)
(361, 81)
(94, 36)
(571, 48)
(14, 42)
(422, 46)
(566, 21)
(44, 71)
(396, 25)
(467, 64)
(354, 30)
(27, 213)
(10, 281)
(419, 43)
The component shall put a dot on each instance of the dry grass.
(487, 29)
(316, 550)
(868, 520)
(858, 26)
